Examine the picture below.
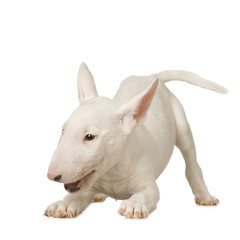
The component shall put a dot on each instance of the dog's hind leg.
(99, 197)
(185, 142)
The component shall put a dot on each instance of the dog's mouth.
(79, 184)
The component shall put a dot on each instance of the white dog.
(118, 147)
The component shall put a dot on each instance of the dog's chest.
(114, 185)
(115, 190)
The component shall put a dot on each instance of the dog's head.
(94, 135)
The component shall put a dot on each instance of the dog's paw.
(61, 209)
(133, 209)
(207, 201)
(100, 197)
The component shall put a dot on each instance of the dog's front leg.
(140, 204)
(70, 206)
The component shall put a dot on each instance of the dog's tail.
(191, 78)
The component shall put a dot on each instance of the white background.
(42, 44)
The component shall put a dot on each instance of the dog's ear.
(135, 111)
(85, 83)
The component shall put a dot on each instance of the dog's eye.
(89, 137)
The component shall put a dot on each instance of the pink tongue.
(73, 187)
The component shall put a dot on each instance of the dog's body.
(109, 146)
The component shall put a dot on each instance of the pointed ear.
(85, 83)
(135, 111)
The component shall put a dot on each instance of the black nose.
(57, 178)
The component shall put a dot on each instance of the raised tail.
(191, 78)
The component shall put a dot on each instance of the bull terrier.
(119, 147)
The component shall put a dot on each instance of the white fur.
(136, 132)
